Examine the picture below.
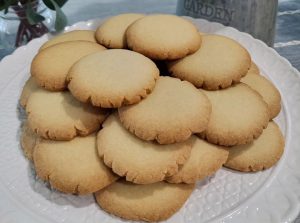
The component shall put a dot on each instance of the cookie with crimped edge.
(261, 154)
(150, 202)
(111, 33)
(239, 115)
(267, 90)
(112, 78)
(140, 161)
(29, 87)
(163, 37)
(171, 113)
(205, 160)
(253, 69)
(59, 116)
(75, 35)
(72, 166)
(51, 65)
(219, 63)
(28, 140)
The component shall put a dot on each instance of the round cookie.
(59, 116)
(51, 65)
(253, 69)
(112, 78)
(267, 90)
(261, 154)
(111, 33)
(151, 202)
(28, 141)
(171, 113)
(29, 87)
(76, 35)
(205, 160)
(139, 161)
(239, 115)
(219, 63)
(72, 166)
(163, 37)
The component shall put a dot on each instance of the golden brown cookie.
(51, 65)
(75, 35)
(205, 160)
(112, 78)
(262, 153)
(72, 166)
(139, 161)
(163, 37)
(29, 87)
(151, 202)
(267, 90)
(219, 63)
(111, 33)
(28, 141)
(239, 115)
(253, 69)
(59, 116)
(171, 113)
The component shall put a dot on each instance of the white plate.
(229, 196)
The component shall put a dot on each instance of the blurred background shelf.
(287, 38)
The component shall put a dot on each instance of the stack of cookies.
(141, 109)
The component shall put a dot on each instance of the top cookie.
(111, 33)
(51, 65)
(163, 37)
(239, 115)
(112, 78)
(219, 63)
(85, 35)
(171, 113)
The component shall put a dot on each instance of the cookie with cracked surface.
(59, 116)
(151, 202)
(29, 87)
(239, 115)
(76, 35)
(28, 141)
(205, 160)
(267, 90)
(72, 166)
(163, 37)
(262, 153)
(51, 65)
(112, 78)
(141, 162)
(219, 63)
(111, 33)
(171, 113)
